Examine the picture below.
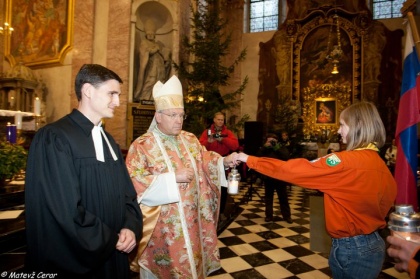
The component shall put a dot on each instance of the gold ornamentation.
(323, 19)
(340, 93)
(53, 24)
(169, 101)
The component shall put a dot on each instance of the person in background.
(391, 156)
(220, 139)
(406, 255)
(359, 190)
(285, 141)
(178, 187)
(296, 148)
(82, 218)
(273, 149)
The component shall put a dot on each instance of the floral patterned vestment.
(180, 238)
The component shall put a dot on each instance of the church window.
(263, 15)
(387, 9)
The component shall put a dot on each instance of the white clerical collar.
(97, 142)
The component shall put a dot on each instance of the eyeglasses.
(174, 116)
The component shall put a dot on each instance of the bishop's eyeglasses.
(174, 116)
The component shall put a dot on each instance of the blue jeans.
(359, 257)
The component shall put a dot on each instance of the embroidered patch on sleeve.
(333, 160)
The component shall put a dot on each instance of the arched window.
(387, 9)
(263, 15)
(266, 15)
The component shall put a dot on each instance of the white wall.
(58, 82)
(249, 68)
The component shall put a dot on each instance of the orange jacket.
(358, 188)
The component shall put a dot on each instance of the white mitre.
(167, 95)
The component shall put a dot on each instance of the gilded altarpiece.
(296, 68)
(314, 38)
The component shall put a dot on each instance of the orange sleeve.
(301, 171)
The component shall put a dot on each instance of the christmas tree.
(204, 72)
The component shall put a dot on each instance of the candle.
(11, 133)
(233, 187)
(18, 120)
(12, 103)
(37, 106)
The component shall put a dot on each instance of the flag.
(406, 132)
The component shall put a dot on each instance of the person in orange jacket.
(406, 255)
(359, 190)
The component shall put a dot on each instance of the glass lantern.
(233, 181)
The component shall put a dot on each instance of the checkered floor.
(252, 248)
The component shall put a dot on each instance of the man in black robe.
(82, 216)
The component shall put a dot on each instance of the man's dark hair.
(94, 74)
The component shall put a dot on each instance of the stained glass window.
(263, 15)
(387, 9)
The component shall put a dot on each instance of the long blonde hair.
(365, 125)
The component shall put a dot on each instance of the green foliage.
(286, 116)
(12, 159)
(204, 73)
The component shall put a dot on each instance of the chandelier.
(335, 54)
(6, 29)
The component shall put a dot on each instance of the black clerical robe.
(77, 205)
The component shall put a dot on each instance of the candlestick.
(37, 106)
(18, 120)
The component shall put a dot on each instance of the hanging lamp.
(336, 52)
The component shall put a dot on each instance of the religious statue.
(155, 63)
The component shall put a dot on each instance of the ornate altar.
(323, 58)
(321, 106)
(21, 98)
(18, 89)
